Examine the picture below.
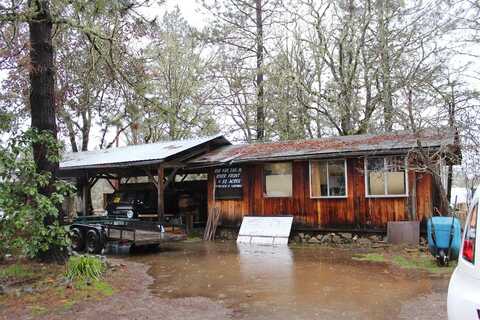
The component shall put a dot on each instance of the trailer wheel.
(78, 241)
(153, 247)
(93, 242)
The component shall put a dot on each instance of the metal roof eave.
(113, 165)
(308, 156)
(169, 160)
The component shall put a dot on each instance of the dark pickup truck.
(137, 202)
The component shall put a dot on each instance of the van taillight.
(468, 250)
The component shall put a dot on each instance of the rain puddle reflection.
(261, 282)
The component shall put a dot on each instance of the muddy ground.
(222, 281)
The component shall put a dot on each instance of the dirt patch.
(428, 307)
(128, 298)
(20, 273)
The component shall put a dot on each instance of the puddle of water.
(282, 283)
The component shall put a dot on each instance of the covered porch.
(157, 171)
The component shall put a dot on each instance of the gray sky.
(190, 9)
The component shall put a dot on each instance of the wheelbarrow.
(444, 238)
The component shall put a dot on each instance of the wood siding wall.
(353, 211)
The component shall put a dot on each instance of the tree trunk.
(259, 81)
(451, 123)
(424, 161)
(86, 121)
(71, 133)
(449, 182)
(42, 102)
(443, 205)
(385, 65)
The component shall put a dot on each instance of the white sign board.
(265, 230)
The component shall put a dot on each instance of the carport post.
(85, 193)
(160, 193)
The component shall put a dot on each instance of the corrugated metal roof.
(325, 147)
(129, 155)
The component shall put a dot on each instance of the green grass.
(373, 257)
(38, 311)
(99, 287)
(54, 295)
(425, 263)
(16, 271)
(103, 288)
(412, 262)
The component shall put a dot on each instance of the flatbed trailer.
(92, 233)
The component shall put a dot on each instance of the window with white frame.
(386, 176)
(277, 179)
(328, 178)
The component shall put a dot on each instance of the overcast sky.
(191, 10)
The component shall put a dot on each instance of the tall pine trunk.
(42, 102)
(259, 80)
(385, 65)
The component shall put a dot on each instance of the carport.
(161, 162)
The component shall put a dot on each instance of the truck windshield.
(125, 197)
(143, 197)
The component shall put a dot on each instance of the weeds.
(85, 268)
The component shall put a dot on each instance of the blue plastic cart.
(444, 238)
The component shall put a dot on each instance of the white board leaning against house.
(265, 230)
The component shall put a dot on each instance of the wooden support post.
(85, 191)
(160, 193)
(413, 213)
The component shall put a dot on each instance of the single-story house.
(349, 182)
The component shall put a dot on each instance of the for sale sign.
(228, 183)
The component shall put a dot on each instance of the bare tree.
(242, 26)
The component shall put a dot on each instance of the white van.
(464, 288)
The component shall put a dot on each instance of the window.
(468, 252)
(328, 178)
(386, 176)
(277, 179)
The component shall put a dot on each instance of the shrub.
(85, 268)
(29, 220)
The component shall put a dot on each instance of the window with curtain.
(328, 178)
(386, 176)
(277, 179)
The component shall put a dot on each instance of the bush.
(85, 268)
(29, 222)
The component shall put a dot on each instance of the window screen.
(328, 178)
(278, 179)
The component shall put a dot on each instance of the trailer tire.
(78, 240)
(153, 247)
(93, 242)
